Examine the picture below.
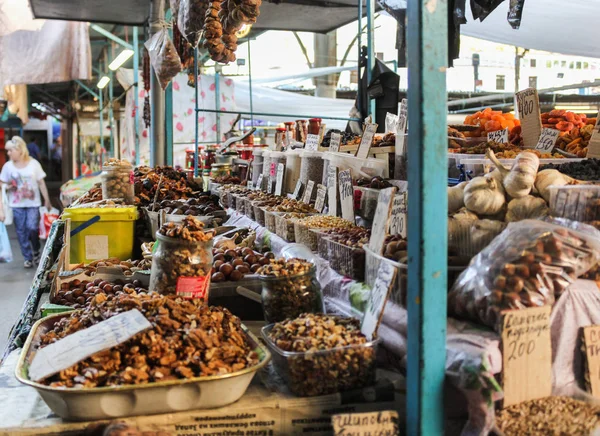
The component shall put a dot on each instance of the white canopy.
(567, 27)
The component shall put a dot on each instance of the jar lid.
(311, 153)
(318, 120)
(220, 165)
(277, 154)
(280, 129)
(289, 123)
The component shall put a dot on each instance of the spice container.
(302, 130)
(277, 157)
(248, 209)
(257, 165)
(292, 170)
(259, 213)
(340, 358)
(117, 180)
(303, 228)
(311, 168)
(314, 126)
(289, 288)
(220, 170)
(284, 225)
(290, 126)
(183, 255)
(326, 162)
(208, 156)
(245, 152)
(270, 222)
(266, 169)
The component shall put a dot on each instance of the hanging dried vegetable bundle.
(164, 57)
(146, 79)
(213, 31)
(191, 18)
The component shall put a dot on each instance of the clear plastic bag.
(528, 265)
(163, 56)
(190, 19)
(5, 250)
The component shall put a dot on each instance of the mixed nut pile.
(117, 180)
(174, 184)
(290, 288)
(204, 205)
(333, 354)
(187, 340)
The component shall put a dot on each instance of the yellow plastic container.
(111, 236)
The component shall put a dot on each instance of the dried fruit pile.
(187, 340)
(491, 121)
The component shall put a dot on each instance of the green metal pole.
(196, 112)
(101, 103)
(111, 121)
(360, 14)
(250, 84)
(371, 50)
(218, 105)
(136, 65)
(427, 198)
(169, 112)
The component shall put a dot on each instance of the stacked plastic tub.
(311, 168)
(257, 164)
(292, 170)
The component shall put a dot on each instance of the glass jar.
(181, 267)
(289, 296)
(117, 182)
(290, 126)
(220, 170)
(248, 140)
(208, 156)
(301, 130)
(280, 138)
(314, 126)
(245, 152)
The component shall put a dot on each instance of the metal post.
(136, 63)
(101, 103)
(218, 105)
(157, 124)
(196, 111)
(427, 249)
(359, 81)
(250, 85)
(169, 113)
(113, 151)
(370, 50)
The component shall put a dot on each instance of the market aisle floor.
(14, 286)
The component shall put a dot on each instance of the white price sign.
(335, 141)
(279, 181)
(320, 201)
(250, 185)
(366, 141)
(547, 140)
(401, 129)
(500, 136)
(74, 348)
(270, 185)
(312, 142)
(332, 190)
(381, 219)
(297, 190)
(528, 104)
(259, 182)
(346, 195)
(398, 218)
(308, 192)
(377, 298)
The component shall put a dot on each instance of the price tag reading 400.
(346, 195)
(528, 104)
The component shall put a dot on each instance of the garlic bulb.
(484, 195)
(456, 197)
(547, 178)
(528, 207)
(519, 180)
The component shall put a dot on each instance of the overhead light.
(575, 108)
(120, 59)
(103, 82)
(244, 31)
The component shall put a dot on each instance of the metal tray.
(146, 399)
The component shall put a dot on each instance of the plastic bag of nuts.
(528, 265)
(182, 260)
(321, 354)
(289, 288)
(117, 180)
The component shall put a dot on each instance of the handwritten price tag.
(297, 190)
(528, 104)
(259, 182)
(381, 219)
(332, 190)
(308, 192)
(279, 182)
(398, 218)
(366, 141)
(401, 129)
(335, 141)
(377, 298)
(526, 354)
(346, 195)
(500, 136)
(591, 345)
(66, 352)
(320, 201)
(547, 140)
(312, 142)
(250, 185)
(383, 423)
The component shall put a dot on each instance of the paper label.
(332, 190)
(259, 182)
(250, 185)
(526, 354)
(547, 140)
(80, 345)
(500, 136)
(279, 178)
(528, 104)
(308, 192)
(312, 142)
(297, 190)
(384, 423)
(96, 247)
(398, 219)
(272, 169)
(381, 219)
(193, 287)
(270, 185)
(334, 142)
(366, 141)
(377, 298)
(320, 201)
(401, 129)
(591, 347)
(346, 195)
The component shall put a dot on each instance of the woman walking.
(24, 178)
